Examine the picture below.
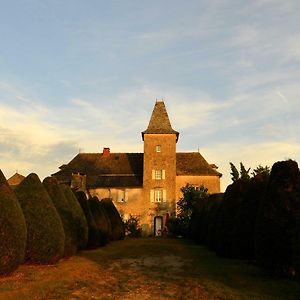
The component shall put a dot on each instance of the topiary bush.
(101, 220)
(117, 225)
(12, 229)
(297, 249)
(227, 221)
(45, 233)
(276, 222)
(213, 214)
(64, 210)
(94, 235)
(79, 219)
(247, 215)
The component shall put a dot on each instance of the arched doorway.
(158, 225)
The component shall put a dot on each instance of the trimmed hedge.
(64, 210)
(45, 233)
(277, 218)
(80, 222)
(117, 225)
(297, 249)
(94, 236)
(12, 229)
(101, 220)
(226, 236)
(246, 217)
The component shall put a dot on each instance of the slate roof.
(159, 121)
(126, 169)
(15, 179)
(193, 163)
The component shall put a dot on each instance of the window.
(158, 148)
(158, 195)
(158, 174)
(122, 195)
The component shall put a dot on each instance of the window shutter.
(152, 195)
(119, 195)
(164, 196)
(126, 195)
(153, 174)
(163, 174)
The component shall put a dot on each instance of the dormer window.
(158, 148)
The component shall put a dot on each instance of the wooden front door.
(158, 226)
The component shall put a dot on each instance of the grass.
(146, 269)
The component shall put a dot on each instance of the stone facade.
(146, 185)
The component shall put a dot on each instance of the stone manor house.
(146, 185)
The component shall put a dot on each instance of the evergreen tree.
(12, 229)
(244, 174)
(234, 172)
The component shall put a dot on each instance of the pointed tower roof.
(159, 121)
(15, 179)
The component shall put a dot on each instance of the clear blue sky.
(85, 75)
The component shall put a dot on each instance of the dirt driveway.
(145, 269)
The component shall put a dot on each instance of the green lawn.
(146, 269)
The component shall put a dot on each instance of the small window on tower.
(158, 148)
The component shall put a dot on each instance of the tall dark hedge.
(94, 235)
(117, 225)
(213, 214)
(227, 223)
(101, 219)
(64, 210)
(197, 228)
(247, 215)
(79, 219)
(12, 229)
(297, 249)
(45, 233)
(204, 218)
(276, 223)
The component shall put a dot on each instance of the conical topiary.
(12, 229)
(80, 221)
(94, 233)
(62, 206)
(101, 219)
(45, 233)
(117, 225)
(277, 218)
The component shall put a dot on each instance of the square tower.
(159, 172)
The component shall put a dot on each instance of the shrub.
(101, 220)
(117, 225)
(297, 249)
(246, 217)
(132, 227)
(64, 210)
(80, 222)
(227, 222)
(94, 236)
(174, 227)
(12, 229)
(213, 214)
(277, 216)
(45, 233)
(192, 199)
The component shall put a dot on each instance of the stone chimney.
(106, 152)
